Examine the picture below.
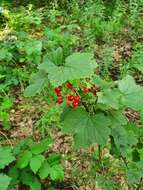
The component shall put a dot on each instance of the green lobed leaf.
(77, 66)
(32, 89)
(110, 98)
(4, 181)
(132, 93)
(86, 129)
(124, 140)
(37, 82)
(97, 80)
(6, 157)
(117, 118)
(36, 162)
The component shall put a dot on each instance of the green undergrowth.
(83, 59)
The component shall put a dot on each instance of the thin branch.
(6, 138)
(83, 103)
(124, 160)
(139, 185)
(99, 153)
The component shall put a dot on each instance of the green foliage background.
(96, 39)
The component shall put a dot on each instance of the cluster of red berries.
(59, 95)
(72, 100)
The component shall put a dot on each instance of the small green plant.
(27, 164)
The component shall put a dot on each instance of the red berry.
(77, 98)
(58, 94)
(57, 90)
(69, 86)
(75, 104)
(70, 98)
(86, 90)
(60, 100)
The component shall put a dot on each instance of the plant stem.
(100, 159)
(85, 106)
(83, 103)
(125, 162)
(99, 153)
